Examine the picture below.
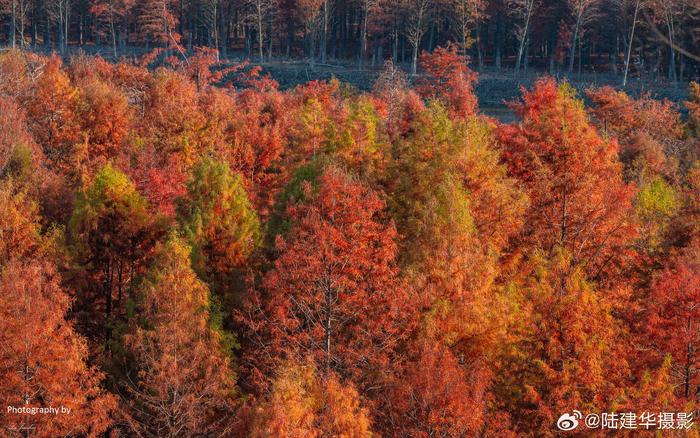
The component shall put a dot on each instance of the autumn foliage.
(192, 251)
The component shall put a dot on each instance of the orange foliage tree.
(301, 403)
(565, 352)
(182, 383)
(52, 114)
(43, 360)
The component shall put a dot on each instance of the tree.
(109, 234)
(668, 13)
(219, 221)
(465, 13)
(51, 115)
(301, 403)
(256, 132)
(43, 361)
(567, 354)
(18, 11)
(13, 130)
(638, 4)
(418, 16)
(309, 11)
(172, 116)
(449, 80)
(650, 133)
(455, 209)
(368, 8)
(262, 12)
(113, 12)
(582, 11)
(19, 223)
(524, 11)
(693, 106)
(58, 12)
(578, 198)
(182, 384)
(435, 398)
(158, 21)
(333, 294)
(42, 358)
(620, 116)
(105, 117)
(325, 25)
(673, 317)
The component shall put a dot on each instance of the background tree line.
(652, 38)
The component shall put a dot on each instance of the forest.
(186, 250)
(627, 39)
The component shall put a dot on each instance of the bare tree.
(583, 11)
(523, 11)
(669, 12)
(261, 12)
(624, 7)
(418, 14)
(309, 11)
(465, 13)
(325, 17)
(209, 11)
(20, 9)
(368, 8)
(112, 13)
(59, 13)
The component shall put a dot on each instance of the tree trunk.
(324, 33)
(572, 52)
(629, 45)
(363, 44)
(13, 23)
(672, 56)
(114, 33)
(580, 55)
(312, 48)
(479, 52)
(498, 40)
(260, 33)
(414, 61)
(269, 40)
(523, 39)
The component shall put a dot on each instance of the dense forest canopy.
(186, 250)
(630, 38)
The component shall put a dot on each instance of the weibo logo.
(569, 421)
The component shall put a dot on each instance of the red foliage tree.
(436, 397)
(13, 130)
(449, 80)
(646, 129)
(578, 198)
(333, 294)
(673, 323)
